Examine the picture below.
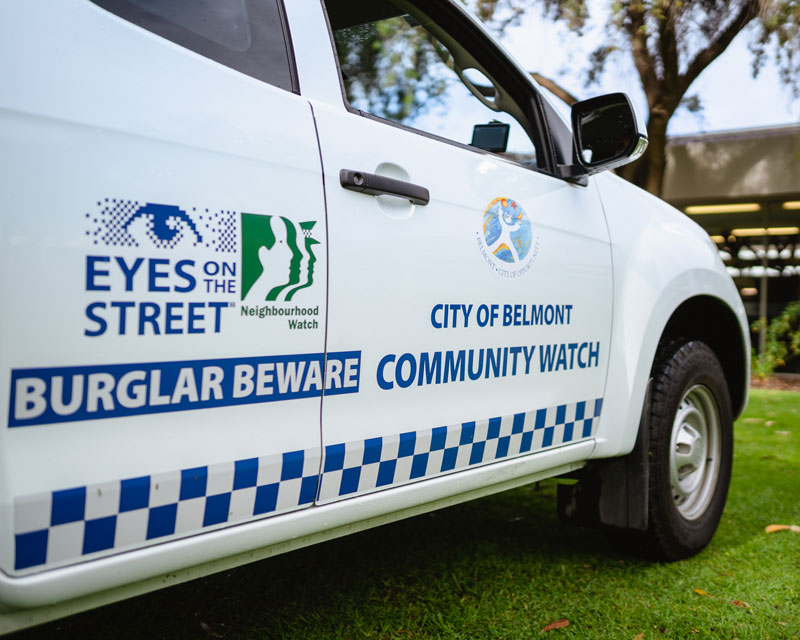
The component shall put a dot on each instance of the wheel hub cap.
(695, 452)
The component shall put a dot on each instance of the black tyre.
(691, 450)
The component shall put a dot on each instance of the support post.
(762, 301)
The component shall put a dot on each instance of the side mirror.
(607, 133)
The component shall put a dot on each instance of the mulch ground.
(780, 381)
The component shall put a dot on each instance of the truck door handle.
(376, 185)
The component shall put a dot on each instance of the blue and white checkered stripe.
(362, 466)
(60, 526)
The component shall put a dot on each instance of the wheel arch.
(613, 492)
(668, 277)
(689, 309)
(711, 321)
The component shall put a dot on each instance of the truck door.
(483, 314)
(164, 275)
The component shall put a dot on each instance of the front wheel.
(691, 449)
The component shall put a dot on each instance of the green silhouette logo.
(277, 257)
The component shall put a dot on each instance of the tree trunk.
(648, 171)
(657, 148)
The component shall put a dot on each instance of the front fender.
(661, 259)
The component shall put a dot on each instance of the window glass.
(246, 35)
(394, 68)
(221, 21)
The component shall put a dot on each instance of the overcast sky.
(732, 99)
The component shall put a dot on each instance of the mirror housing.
(607, 132)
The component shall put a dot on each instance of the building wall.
(733, 165)
(758, 170)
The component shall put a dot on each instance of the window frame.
(473, 39)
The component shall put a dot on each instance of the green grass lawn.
(505, 567)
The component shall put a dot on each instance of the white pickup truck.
(277, 271)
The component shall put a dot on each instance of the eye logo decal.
(120, 222)
(167, 224)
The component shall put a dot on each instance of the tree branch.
(555, 88)
(668, 45)
(706, 56)
(645, 65)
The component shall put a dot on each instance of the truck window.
(247, 35)
(420, 76)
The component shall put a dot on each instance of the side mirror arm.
(573, 173)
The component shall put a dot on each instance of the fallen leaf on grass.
(210, 631)
(639, 637)
(772, 528)
(781, 433)
(700, 592)
(739, 603)
(753, 420)
(769, 423)
(558, 624)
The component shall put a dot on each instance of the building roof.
(736, 134)
(734, 165)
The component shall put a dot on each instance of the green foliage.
(390, 68)
(693, 103)
(780, 24)
(668, 36)
(670, 43)
(782, 343)
(675, 31)
(597, 62)
(498, 14)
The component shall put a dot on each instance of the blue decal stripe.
(60, 527)
(384, 462)
(57, 527)
(159, 387)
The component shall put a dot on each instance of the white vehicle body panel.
(429, 320)
(661, 259)
(210, 157)
(157, 179)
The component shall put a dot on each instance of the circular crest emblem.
(506, 238)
